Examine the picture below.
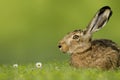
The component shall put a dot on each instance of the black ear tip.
(105, 7)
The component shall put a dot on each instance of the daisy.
(15, 65)
(38, 65)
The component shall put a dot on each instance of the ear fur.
(99, 20)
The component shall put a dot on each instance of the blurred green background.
(31, 29)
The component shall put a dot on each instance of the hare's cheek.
(74, 43)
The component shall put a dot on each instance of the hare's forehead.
(75, 32)
(79, 32)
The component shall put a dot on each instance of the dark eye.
(75, 37)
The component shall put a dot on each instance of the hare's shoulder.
(105, 43)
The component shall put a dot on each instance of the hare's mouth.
(62, 50)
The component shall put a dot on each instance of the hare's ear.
(99, 20)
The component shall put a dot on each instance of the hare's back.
(105, 44)
(107, 54)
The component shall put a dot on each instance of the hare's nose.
(59, 46)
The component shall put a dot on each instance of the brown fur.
(102, 54)
(88, 53)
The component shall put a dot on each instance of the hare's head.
(76, 41)
(80, 40)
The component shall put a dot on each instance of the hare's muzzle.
(63, 47)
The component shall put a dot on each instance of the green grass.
(55, 71)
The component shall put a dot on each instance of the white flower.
(57, 68)
(39, 65)
(15, 65)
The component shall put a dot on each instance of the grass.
(55, 71)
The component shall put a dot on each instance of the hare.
(87, 53)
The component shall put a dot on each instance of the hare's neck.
(79, 51)
(82, 49)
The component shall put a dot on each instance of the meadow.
(55, 71)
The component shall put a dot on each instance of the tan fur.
(103, 54)
(88, 53)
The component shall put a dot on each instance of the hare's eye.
(75, 37)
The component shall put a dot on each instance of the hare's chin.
(63, 51)
(69, 52)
